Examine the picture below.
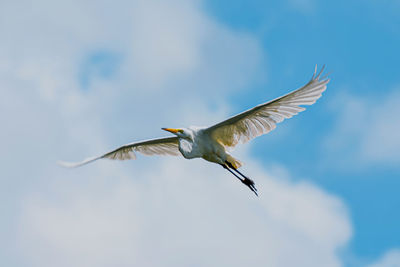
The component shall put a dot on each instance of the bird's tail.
(235, 163)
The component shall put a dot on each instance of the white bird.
(212, 143)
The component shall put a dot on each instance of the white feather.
(263, 118)
(160, 146)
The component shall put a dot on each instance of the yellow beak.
(174, 131)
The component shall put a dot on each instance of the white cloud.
(366, 129)
(180, 214)
(174, 60)
(390, 259)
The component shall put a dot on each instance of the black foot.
(250, 184)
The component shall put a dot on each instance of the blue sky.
(358, 41)
(79, 78)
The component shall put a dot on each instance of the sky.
(79, 78)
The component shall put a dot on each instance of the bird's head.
(183, 133)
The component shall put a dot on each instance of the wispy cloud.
(303, 6)
(390, 259)
(366, 129)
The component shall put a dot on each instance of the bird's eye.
(180, 130)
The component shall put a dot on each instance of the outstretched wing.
(161, 146)
(263, 118)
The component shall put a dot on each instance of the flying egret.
(211, 143)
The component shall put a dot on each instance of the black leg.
(226, 167)
(231, 166)
(248, 182)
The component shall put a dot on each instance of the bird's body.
(202, 145)
(196, 145)
(211, 143)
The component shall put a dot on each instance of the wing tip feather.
(317, 75)
(69, 165)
